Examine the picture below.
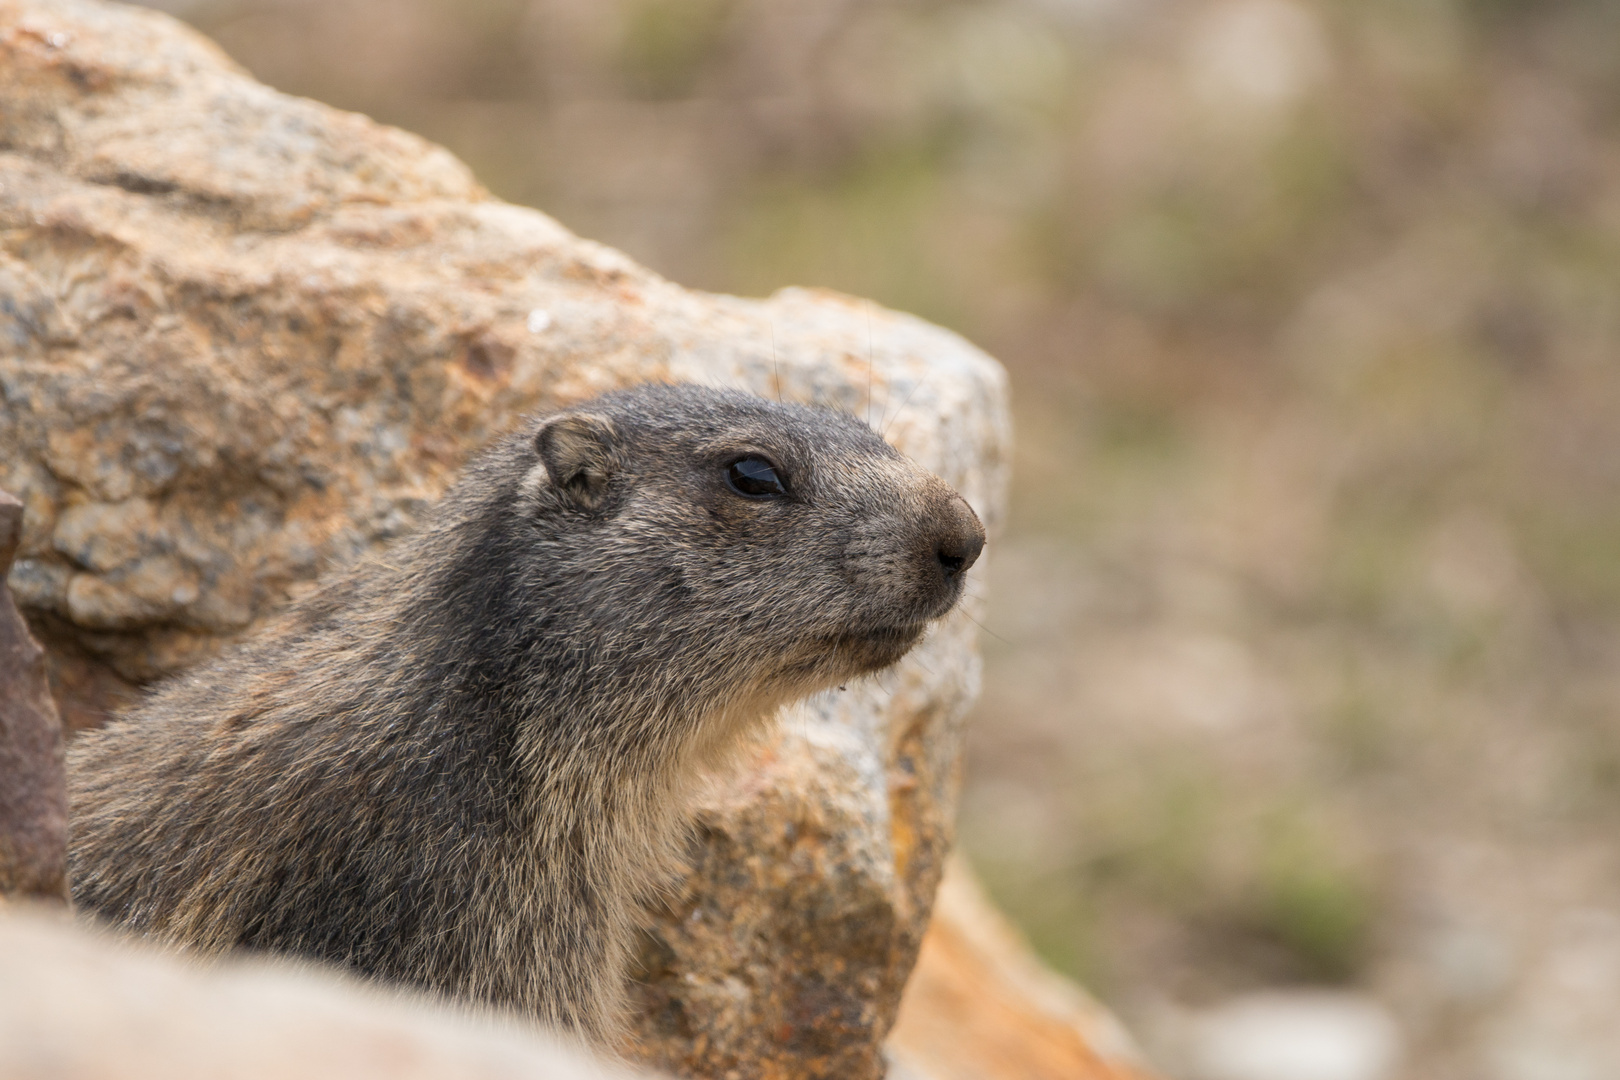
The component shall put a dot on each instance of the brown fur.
(459, 766)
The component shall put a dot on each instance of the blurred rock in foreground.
(980, 1006)
(246, 336)
(33, 794)
(79, 1005)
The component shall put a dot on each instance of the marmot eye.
(755, 477)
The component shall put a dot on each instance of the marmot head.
(719, 546)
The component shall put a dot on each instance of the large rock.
(33, 792)
(77, 1005)
(243, 336)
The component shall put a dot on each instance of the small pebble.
(1295, 1035)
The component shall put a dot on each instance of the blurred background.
(1301, 724)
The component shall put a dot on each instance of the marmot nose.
(960, 540)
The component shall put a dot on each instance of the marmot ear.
(580, 453)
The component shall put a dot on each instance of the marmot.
(460, 764)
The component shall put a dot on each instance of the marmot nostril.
(961, 540)
(958, 553)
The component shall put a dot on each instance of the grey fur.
(460, 764)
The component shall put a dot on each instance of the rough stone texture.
(243, 336)
(76, 1005)
(980, 1006)
(33, 792)
(813, 881)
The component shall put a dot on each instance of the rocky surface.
(33, 795)
(76, 1005)
(245, 336)
(81, 1005)
(812, 884)
(980, 1006)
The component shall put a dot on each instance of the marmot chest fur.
(460, 764)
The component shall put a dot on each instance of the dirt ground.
(1302, 679)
